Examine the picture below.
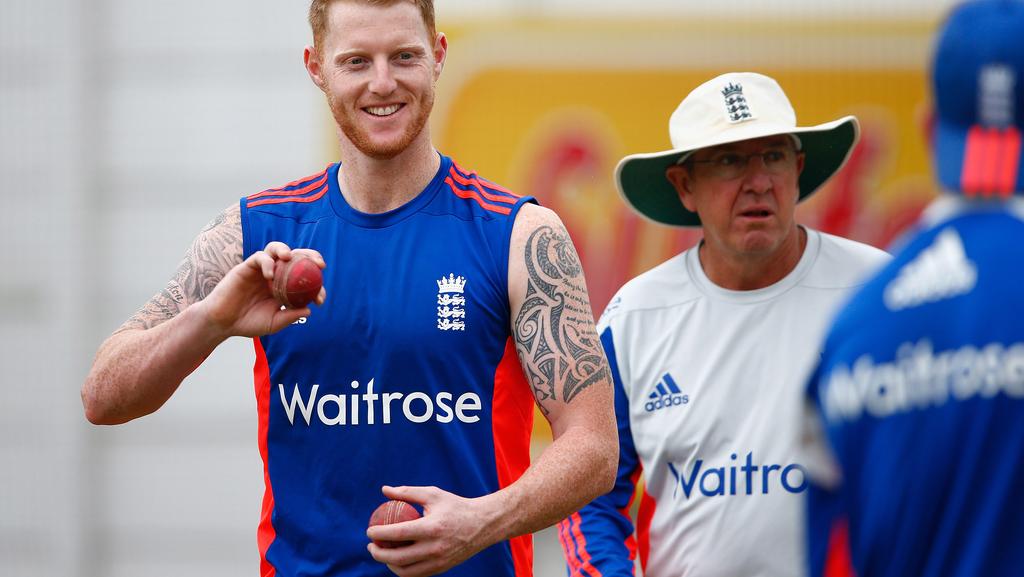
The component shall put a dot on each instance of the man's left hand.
(451, 530)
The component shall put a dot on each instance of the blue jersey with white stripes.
(406, 375)
(921, 390)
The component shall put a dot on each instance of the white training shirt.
(714, 382)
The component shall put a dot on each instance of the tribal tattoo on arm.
(213, 253)
(554, 330)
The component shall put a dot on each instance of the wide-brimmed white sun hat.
(730, 108)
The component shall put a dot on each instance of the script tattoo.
(213, 253)
(554, 329)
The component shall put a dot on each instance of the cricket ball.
(393, 512)
(297, 281)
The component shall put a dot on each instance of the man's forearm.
(575, 469)
(137, 370)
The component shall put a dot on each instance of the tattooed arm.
(565, 365)
(213, 296)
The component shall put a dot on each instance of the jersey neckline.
(346, 212)
(709, 288)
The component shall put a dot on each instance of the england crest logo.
(451, 303)
(736, 107)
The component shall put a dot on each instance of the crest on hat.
(736, 107)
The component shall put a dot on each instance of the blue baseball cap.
(978, 86)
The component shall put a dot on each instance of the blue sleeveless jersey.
(407, 374)
(921, 389)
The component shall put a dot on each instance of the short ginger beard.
(362, 141)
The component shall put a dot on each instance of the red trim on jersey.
(266, 533)
(475, 183)
(563, 528)
(474, 196)
(837, 559)
(487, 183)
(643, 526)
(572, 546)
(574, 543)
(316, 196)
(991, 161)
(630, 541)
(303, 181)
(308, 185)
(581, 546)
(512, 424)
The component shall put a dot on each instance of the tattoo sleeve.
(213, 253)
(554, 330)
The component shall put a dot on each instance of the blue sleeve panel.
(599, 540)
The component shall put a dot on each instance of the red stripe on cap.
(1009, 165)
(837, 560)
(991, 161)
(266, 533)
(976, 153)
(511, 426)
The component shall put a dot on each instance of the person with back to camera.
(709, 351)
(451, 307)
(920, 388)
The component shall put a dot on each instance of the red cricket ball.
(393, 512)
(296, 281)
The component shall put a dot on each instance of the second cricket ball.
(393, 512)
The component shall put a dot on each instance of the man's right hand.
(213, 296)
(242, 303)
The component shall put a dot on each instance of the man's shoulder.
(296, 197)
(965, 254)
(665, 285)
(852, 250)
(471, 195)
(844, 263)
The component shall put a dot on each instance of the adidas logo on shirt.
(665, 394)
(940, 272)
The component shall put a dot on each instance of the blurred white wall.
(125, 125)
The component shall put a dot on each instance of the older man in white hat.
(710, 350)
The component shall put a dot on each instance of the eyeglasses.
(729, 165)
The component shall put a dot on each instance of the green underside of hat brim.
(643, 184)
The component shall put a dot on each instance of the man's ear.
(682, 181)
(440, 53)
(311, 58)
